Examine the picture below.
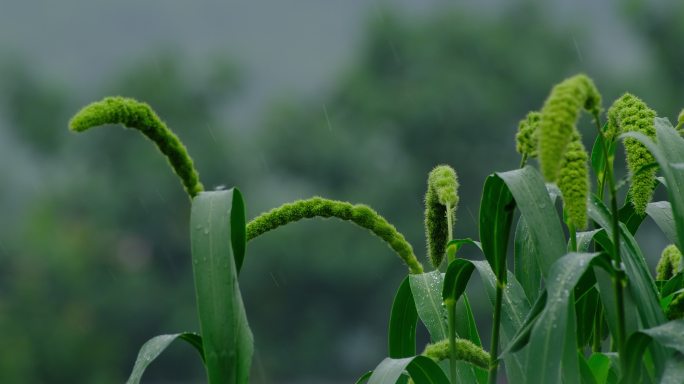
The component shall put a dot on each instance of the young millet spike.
(669, 263)
(441, 200)
(359, 214)
(465, 350)
(134, 114)
(558, 118)
(680, 120)
(630, 114)
(526, 138)
(573, 182)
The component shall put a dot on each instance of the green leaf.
(403, 321)
(641, 284)
(672, 285)
(496, 216)
(514, 308)
(456, 279)
(600, 365)
(669, 153)
(661, 213)
(455, 282)
(630, 218)
(459, 243)
(532, 198)
(674, 370)
(587, 308)
(598, 162)
(155, 346)
(670, 334)
(553, 325)
(427, 293)
(421, 369)
(585, 371)
(227, 339)
(364, 379)
(522, 337)
(525, 265)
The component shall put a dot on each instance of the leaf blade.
(227, 339)
(155, 346)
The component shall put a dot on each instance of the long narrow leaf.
(496, 216)
(670, 334)
(544, 353)
(514, 308)
(674, 370)
(525, 266)
(427, 293)
(456, 279)
(532, 199)
(155, 346)
(403, 321)
(227, 339)
(422, 369)
(661, 213)
(642, 286)
(669, 153)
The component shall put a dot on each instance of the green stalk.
(618, 280)
(451, 310)
(450, 234)
(523, 160)
(451, 304)
(493, 360)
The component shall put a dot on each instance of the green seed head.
(630, 114)
(359, 214)
(558, 118)
(526, 138)
(669, 263)
(675, 310)
(134, 114)
(465, 350)
(680, 120)
(573, 182)
(441, 200)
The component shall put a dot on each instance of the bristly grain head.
(526, 141)
(359, 214)
(668, 265)
(441, 200)
(630, 114)
(465, 351)
(134, 114)
(573, 182)
(558, 119)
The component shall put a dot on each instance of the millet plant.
(579, 305)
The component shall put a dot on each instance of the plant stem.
(451, 310)
(451, 304)
(617, 260)
(494, 361)
(523, 160)
(450, 231)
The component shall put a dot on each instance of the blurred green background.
(353, 100)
